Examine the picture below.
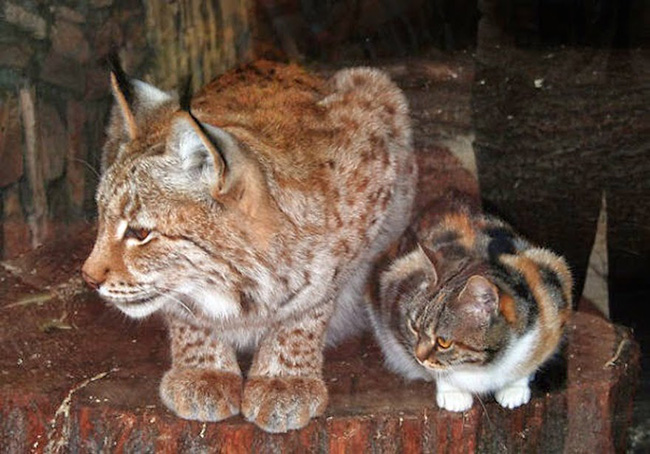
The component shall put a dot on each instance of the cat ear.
(479, 296)
(432, 260)
(214, 158)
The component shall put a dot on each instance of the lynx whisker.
(170, 295)
(88, 166)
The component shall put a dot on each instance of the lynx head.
(175, 201)
(446, 316)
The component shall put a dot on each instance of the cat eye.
(443, 343)
(139, 234)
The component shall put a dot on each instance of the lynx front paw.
(514, 395)
(454, 400)
(201, 394)
(280, 404)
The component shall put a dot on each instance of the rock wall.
(54, 93)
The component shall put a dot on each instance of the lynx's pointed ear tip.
(114, 81)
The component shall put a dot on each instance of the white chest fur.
(512, 366)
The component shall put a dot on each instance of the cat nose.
(423, 350)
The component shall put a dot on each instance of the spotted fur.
(250, 222)
(473, 306)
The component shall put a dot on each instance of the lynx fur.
(250, 222)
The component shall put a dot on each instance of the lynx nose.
(92, 282)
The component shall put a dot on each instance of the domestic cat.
(472, 305)
(249, 218)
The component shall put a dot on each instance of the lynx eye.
(443, 343)
(139, 234)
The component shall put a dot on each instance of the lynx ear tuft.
(134, 98)
(185, 94)
(123, 93)
(134, 102)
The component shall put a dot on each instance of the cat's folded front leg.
(451, 398)
(515, 394)
(285, 387)
(204, 382)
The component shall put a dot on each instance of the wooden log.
(75, 376)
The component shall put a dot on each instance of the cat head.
(172, 196)
(446, 322)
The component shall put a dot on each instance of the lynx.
(248, 217)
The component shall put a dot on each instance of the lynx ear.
(214, 158)
(134, 100)
(201, 150)
(432, 261)
(479, 297)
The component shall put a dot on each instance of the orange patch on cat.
(557, 265)
(533, 278)
(462, 224)
(423, 349)
(550, 321)
(507, 308)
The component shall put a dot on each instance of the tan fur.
(557, 264)
(264, 222)
(461, 223)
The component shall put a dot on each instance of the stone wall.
(54, 93)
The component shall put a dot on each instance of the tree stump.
(76, 376)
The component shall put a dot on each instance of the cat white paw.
(454, 400)
(513, 396)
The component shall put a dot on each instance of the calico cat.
(473, 306)
(249, 218)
